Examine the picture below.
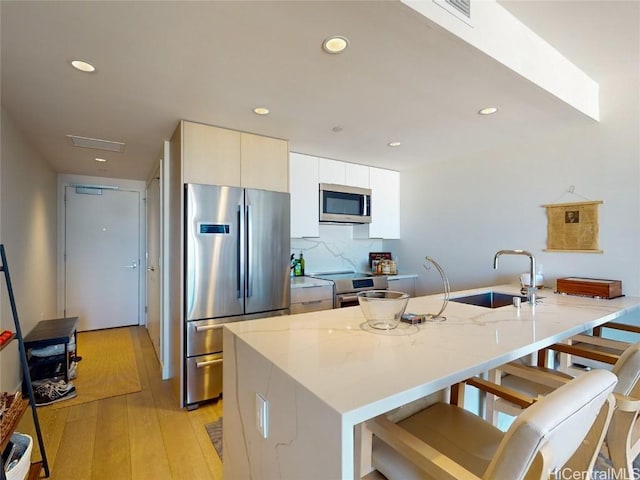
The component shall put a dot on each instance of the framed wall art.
(573, 227)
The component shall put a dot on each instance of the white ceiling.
(402, 78)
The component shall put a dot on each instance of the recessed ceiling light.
(101, 160)
(83, 66)
(261, 111)
(335, 44)
(394, 144)
(337, 129)
(488, 111)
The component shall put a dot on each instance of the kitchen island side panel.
(303, 438)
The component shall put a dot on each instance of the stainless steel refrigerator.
(237, 249)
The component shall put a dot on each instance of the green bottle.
(297, 269)
(301, 263)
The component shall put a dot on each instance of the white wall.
(461, 212)
(28, 228)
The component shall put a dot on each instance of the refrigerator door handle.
(208, 363)
(204, 328)
(239, 262)
(249, 260)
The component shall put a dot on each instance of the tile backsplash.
(335, 250)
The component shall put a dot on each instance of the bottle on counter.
(386, 267)
(297, 265)
(301, 263)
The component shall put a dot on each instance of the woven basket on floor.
(15, 406)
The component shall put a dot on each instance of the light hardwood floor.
(139, 436)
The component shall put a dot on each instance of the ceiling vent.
(96, 143)
(461, 9)
(463, 6)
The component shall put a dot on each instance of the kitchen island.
(324, 373)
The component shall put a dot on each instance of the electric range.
(347, 285)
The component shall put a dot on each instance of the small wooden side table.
(56, 331)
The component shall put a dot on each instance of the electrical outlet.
(262, 415)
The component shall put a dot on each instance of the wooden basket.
(12, 414)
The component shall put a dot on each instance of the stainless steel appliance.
(347, 285)
(237, 248)
(344, 204)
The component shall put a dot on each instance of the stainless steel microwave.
(344, 204)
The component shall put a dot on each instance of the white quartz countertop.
(361, 373)
(400, 276)
(305, 282)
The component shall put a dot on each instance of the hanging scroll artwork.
(573, 227)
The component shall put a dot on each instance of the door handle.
(208, 363)
(152, 269)
(204, 328)
(132, 266)
(312, 302)
(249, 227)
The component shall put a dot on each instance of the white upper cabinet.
(331, 171)
(264, 163)
(385, 203)
(342, 173)
(356, 175)
(218, 156)
(303, 186)
(306, 172)
(210, 155)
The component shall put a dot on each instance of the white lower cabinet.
(406, 285)
(311, 299)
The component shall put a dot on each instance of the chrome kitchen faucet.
(531, 295)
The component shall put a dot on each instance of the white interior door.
(102, 234)
(153, 265)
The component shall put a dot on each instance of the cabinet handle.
(204, 328)
(208, 363)
(311, 302)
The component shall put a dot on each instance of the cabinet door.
(331, 171)
(406, 285)
(210, 155)
(312, 306)
(385, 203)
(303, 186)
(311, 299)
(356, 175)
(264, 163)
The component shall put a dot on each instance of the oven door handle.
(204, 328)
(347, 298)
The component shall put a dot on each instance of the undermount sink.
(489, 299)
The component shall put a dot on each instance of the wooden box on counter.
(590, 287)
